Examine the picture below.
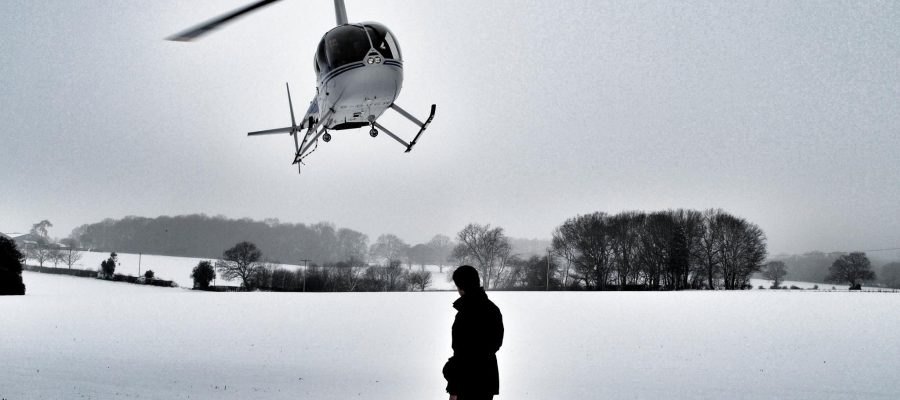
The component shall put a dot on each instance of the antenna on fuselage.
(340, 12)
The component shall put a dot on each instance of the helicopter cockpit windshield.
(351, 43)
(383, 40)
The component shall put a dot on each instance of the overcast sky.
(786, 113)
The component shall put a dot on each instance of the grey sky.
(786, 113)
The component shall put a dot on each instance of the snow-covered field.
(84, 338)
(178, 269)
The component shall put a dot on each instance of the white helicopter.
(360, 73)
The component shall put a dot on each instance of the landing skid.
(422, 126)
(316, 128)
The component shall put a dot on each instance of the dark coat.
(477, 335)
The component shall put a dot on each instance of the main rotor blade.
(207, 26)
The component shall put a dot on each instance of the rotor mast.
(340, 12)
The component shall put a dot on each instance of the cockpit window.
(346, 44)
(321, 58)
(383, 41)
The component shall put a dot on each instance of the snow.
(177, 269)
(85, 338)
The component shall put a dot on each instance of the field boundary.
(89, 273)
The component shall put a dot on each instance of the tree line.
(202, 236)
(673, 249)
(244, 263)
(44, 250)
(635, 250)
(817, 266)
(853, 269)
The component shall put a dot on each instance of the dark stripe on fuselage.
(340, 69)
(328, 79)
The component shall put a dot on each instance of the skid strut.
(422, 126)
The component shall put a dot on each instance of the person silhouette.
(477, 333)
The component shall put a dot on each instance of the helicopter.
(359, 69)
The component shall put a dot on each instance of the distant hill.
(202, 236)
(207, 237)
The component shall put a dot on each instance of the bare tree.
(420, 280)
(420, 254)
(394, 277)
(41, 252)
(708, 259)
(742, 248)
(70, 256)
(326, 243)
(240, 261)
(488, 249)
(44, 249)
(387, 248)
(348, 275)
(890, 274)
(625, 234)
(692, 229)
(674, 249)
(854, 268)
(318, 279)
(661, 252)
(532, 274)
(441, 249)
(775, 271)
(264, 276)
(584, 243)
(352, 245)
(56, 255)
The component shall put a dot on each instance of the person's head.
(466, 279)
